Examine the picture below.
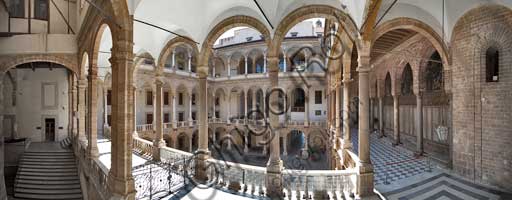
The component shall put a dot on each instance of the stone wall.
(482, 114)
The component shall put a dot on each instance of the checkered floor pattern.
(393, 163)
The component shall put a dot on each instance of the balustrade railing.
(318, 184)
(97, 171)
(238, 177)
(145, 127)
(250, 180)
(142, 146)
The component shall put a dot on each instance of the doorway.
(49, 129)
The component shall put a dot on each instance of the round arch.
(307, 12)
(70, 63)
(224, 26)
(171, 44)
(418, 26)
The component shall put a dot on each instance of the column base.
(418, 154)
(201, 168)
(274, 179)
(135, 134)
(157, 145)
(364, 186)
(121, 189)
(396, 143)
(92, 153)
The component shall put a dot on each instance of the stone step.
(44, 170)
(60, 152)
(48, 174)
(47, 166)
(46, 182)
(48, 178)
(46, 191)
(55, 157)
(58, 160)
(47, 163)
(49, 196)
(48, 187)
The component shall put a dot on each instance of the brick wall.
(482, 114)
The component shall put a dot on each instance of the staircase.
(47, 174)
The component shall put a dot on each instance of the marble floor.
(399, 175)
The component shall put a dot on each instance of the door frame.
(43, 127)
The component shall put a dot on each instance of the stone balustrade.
(250, 180)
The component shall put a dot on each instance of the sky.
(231, 32)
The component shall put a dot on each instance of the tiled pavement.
(395, 163)
(441, 185)
(412, 179)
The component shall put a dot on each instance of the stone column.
(364, 185)
(229, 107)
(284, 62)
(338, 114)
(245, 65)
(245, 105)
(396, 118)
(265, 63)
(254, 99)
(229, 67)
(347, 144)
(174, 111)
(201, 173)
(213, 105)
(371, 115)
(213, 72)
(419, 124)
(158, 141)
(306, 108)
(190, 109)
(285, 146)
(173, 59)
(82, 86)
(3, 192)
(246, 145)
(105, 110)
(189, 62)
(134, 91)
(381, 117)
(120, 180)
(74, 92)
(92, 115)
(273, 179)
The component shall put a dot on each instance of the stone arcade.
(288, 99)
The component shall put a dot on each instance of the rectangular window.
(166, 98)
(17, 8)
(318, 112)
(149, 98)
(217, 114)
(109, 97)
(149, 118)
(193, 99)
(180, 99)
(318, 97)
(41, 9)
(180, 116)
(167, 119)
(193, 115)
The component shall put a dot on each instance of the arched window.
(434, 73)
(492, 62)
(387, 85)
(299, 100)
(407, 80)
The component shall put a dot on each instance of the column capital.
(159, 80)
